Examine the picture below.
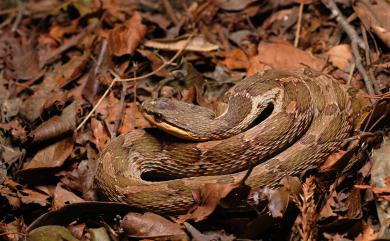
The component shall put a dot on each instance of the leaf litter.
(57, 59)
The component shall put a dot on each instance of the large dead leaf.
(124, 39)
(21, 59)
(51, 156)
(150, 225)
(282, 55)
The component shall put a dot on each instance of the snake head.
(176, 117)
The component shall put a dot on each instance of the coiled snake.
(311, 115)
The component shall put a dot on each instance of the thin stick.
(298, 32)
(97, 104)
(356, 42)
(18, 17)
(119, 79)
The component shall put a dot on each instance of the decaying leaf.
(150, 225)
(124, 39)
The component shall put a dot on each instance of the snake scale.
(311, 115)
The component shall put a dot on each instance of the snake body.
(311, 115)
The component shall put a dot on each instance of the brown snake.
(311, 116)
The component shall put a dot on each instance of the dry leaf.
(236, 59)
(63, 197)
(209, 197)
(376, 17)
(57, 125)
(52, 233)
(233, 5)
(341, 57)
(124, 39)
(150, 225)
(281, 55)
(197, 43)
(51, 156)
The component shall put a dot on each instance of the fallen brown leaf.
(282, 55)
(124, 39)
(63, 197)
(341, 57)
(208, 198)
(51, 156)
(57, 125)
(197, 43)
(150, 225)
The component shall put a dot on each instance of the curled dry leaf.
(57, 125)
(198, 43)
(341, 57)
(150, 225)
(124, 39)
(278, 199)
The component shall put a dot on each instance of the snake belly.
(311, 117)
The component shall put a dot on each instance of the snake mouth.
(160, 122)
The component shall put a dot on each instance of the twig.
(103, 50)
(298, 32)
(368, 61)
(97, 104)
(356, 42)
(119, 79)
(170, 12)
(18, 17)
(119, 115)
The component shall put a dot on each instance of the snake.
(282, 122)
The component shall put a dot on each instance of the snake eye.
(158, 117)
